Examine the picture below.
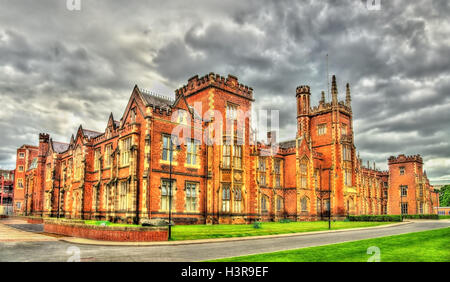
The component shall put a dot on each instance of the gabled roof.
(91, 133)
(60, 147)
(156, 100)
(287, 144)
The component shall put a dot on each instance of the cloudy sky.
(61, 68)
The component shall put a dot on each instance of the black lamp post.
(170, 186)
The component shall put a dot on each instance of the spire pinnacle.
(334, 91)
(322, 98)
(348, 99)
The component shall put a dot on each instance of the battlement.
(44, 137)
(404, 159)
(229, 84)
(303, 89)
(324, 107)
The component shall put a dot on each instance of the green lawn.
(189, 232)
(427, 246)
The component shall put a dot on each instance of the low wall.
(106, 233)
(35, 220)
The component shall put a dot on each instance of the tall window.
(304, 204)
(279, 203)
(402, 170)
(303, 175)
(264, 201)
(20, 167)
(420, 190)
(166, 147)
(344, 129)
(348, 177)
(421, 208)
(97, 154)
(191, 196)
(133, 115)
(231, 112)
(78, 160)
(191, 152)
(262, 164)
(322, 129)
(404, 190)
(21, 155)
(316, 179)
(166, 194)
(226, 195)
(262, 179)
(226, 156)
(237, 156)
(237, 200)
(19, 183)
(105, 197)
(277, 180)
(125, 152)
(123, 195)
(346, 152)
(404, 208)
(108, 158)
(48, 171)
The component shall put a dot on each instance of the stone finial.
(322, 98)
(334, 91)
(348, 99)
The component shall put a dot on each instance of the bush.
(257, 224)
(285, 220)
(421, 216)
(374, 218)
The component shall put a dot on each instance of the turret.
(303, 96)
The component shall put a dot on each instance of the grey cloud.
(61, 68)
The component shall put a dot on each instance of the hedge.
(374, 218)
(421, 216)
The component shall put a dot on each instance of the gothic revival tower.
(303, 96)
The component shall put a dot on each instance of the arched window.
(304, 204)
(304, 174)
(226, 195)
(237, 200)
(264, 203)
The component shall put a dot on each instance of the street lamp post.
(170, 186)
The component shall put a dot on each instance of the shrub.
(285, 220)
(421, 216)
(257, 224)
(374, 217)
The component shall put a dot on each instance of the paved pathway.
(64, 251)
(10, 234)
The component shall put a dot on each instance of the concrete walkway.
(10, 234)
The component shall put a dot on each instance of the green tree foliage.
(444, 196)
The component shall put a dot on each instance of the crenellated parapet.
(303, 89)
(404, 159)
(229, 84)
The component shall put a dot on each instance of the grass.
(426, 246)
(97, 222)
(192, 232)
(444, 216)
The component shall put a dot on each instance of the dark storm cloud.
(60, 68)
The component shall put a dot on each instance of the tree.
(444, 196)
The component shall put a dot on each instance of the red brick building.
(213, 170)
(6, 191)
(24, 158)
